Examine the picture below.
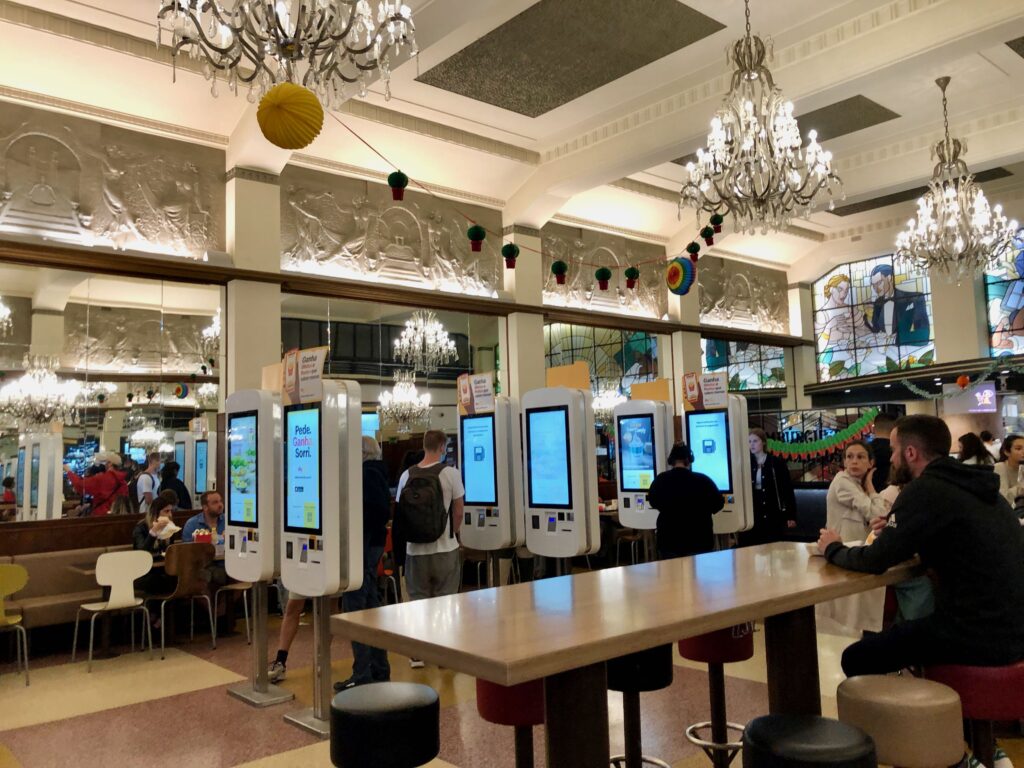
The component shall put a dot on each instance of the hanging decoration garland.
(632, 275)
(476, 235)
(181, 391)
(510, 251)
(827, 445)
(559, 270)
(290, 116)
(680, 275)
(398, 181)
(963, 381)
(603, 275)
(708, 233)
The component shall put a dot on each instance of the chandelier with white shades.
(404, 406)
(39, 396)
(324, 45)
(424, 344)
(955, 233)
(755, 167)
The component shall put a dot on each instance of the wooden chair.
(13, 578)
(237, 586)
(186, 562)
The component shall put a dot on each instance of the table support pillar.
(258, 691)
(579, 740)
(791, 650)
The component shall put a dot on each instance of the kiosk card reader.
(643, 438)
(718, 439)
(491, 464)
(322, 522)
(253, 467)
(559, 465)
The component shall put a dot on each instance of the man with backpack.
(429, 514)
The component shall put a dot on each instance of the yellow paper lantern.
(290, 116)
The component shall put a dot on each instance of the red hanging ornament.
(476, 235)
(511, 252)
(398, 181)
(603, 275)
(963, 381)
(708, 233)
(632, 275)
(716, 222)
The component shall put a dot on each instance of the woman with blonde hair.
(841, 323)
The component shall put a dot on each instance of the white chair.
(117, 570)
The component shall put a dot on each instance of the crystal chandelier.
(39, 396)
(206, 395)
(6, 324)
(955, 232)
(324, 45)
(754, 168)
(404, 406)
(209, 338)
(424, 344)
(604, 403)
(149, 437)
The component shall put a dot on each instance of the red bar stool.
(716, 649)
(987, 695)
(521, 706)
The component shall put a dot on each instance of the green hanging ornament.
(716, 222)
(632, 275)
(708, 233)
(559, 270)
(476, 235)
(603, 275)
(510, 251)
(398, 181)
(693, 249)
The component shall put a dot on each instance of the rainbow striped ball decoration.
(680, 275)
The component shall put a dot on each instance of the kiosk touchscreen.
(322, 522)
(179, 457)
(718, 439)
(643, 432)
(253, 466)
(560, 469)
(491, 466)
(202, 455)
(19, 482)
(33, 482)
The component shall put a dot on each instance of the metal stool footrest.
(731, 748)
(619, 761)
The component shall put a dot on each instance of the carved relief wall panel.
(737, 295)
(585, 251)
(85, 182)
(15, 344)
(338, 226)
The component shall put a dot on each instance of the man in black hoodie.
(954, 517)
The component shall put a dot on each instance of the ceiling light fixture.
(404, 406)
(955, 232)
(39, 396)
(604, 403)
(149, 437)
(756, 168)
(209, 338)
(6, 324)
(424, 344)
(324, 45)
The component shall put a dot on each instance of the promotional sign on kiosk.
(718, 439)
(491, 466)
(643, 430)
(560, 469)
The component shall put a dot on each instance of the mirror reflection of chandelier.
(404, 406)
(6, 324)
(604, 403)
(324, 45)
(149, 437)
(39, 396)
(209, 339)
(955, 232)
(424, 344)
(755, 167)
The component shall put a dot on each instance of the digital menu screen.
(19, 487)
(179, 456)
(708, 433)
(478, 461)
(33, 480)
(302, 503)
(548, 474)
(370, 425)
(202, 457)
(242, 435)
(636, 452)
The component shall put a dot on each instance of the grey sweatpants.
(433, 575)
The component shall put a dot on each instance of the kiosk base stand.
(258, 691)
(316, 720)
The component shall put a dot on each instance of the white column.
(959, 319)
(801, 362)
(521, 335)
(47, 333)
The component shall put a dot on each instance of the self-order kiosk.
(559, 464)
(643, 437)
(195, 455)
(491, 464)
(718, 439)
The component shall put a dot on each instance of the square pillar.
(521, 346)
(47, 333)
(252, 329)
(961, 329)
(254, 219)
(525, 283)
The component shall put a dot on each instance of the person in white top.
(435, 568)
(1011, 456)
(149, 482)
(992, 443)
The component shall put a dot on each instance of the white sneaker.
(1001, 759)
(277, 672)
(416, 664)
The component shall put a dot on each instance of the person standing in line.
(774, 499)
(169, 480)
(148, 482)
(687, 502)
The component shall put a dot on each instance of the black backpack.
(421, 514)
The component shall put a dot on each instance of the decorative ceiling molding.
(248, 174)
(813, 235)
(574, 221)
(647, 190)
(520, 229)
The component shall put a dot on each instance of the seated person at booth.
(211, 519)
(170, 481)
(103, 485)
(151, 535)
(956, 520)
(9, 496)
(686, 502)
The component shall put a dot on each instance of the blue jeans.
(370, 664)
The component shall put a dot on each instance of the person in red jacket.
(104, 486)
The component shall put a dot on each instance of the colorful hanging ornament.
(290, 116)
(632, 275)
(398, 181)
(476, 235)
(511, 252)
(559, 270)
(680, 276)
(716, 222)
(181, 391)
(693, 249)
(101, 397)
(603, 275)
(963, 381)
(708, 233)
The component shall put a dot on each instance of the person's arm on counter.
(893, 546)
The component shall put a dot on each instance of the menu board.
(19, 488)
(33, 481)
(202, 457)
(243, 475)
(548, 474)
(370, 424)
(478, 461)
(302, 503)
(708, 433)
(636, 452)
(179, 456)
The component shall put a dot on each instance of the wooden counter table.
(563, 629)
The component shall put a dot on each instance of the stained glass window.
(1004, 296)
(614, 356)
(750, 366)
(872, 316)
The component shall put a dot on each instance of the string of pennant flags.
(835, 442)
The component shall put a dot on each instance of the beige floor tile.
(7, 760)
(313, 756)
(68, 690)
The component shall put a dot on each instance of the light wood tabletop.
(527, 631)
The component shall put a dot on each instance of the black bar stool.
(805, 741)
(631, 675)
(385, 725)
